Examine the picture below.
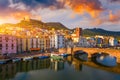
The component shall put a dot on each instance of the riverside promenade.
(90, 51)
(22, 55)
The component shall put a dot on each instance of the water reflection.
(57, 65)
(72, 67)
(9, 70)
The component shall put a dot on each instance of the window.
(12, 45)
(6, 38)
(0, 45)
(6, 45)
(0, 39)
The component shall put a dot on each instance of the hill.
(98, 31)
(36, 23)
(56, 25)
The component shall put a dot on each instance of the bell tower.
(78, 32)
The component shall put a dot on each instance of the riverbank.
(23, 55)
(31, 54)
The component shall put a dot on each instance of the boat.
(27, 58)
(56, 56)
(43, 57)
(3, 61)
(105, 59)
(16, 59)
(64, 55)
(81, 55)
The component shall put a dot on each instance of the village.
(16, 40)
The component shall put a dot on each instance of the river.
(69, 69)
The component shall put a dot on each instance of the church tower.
(78, 32)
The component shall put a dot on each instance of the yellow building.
(46, 42)
(24, 44)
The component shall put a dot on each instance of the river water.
(69, 69)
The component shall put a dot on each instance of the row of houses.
(12, 44)
(98, 41)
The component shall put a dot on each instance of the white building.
(91, 41)
(52, 41)
(41, 42)
(113, 41)
(83, 42)
(57, 41)
(34, 42)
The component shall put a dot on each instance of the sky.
(71, 13)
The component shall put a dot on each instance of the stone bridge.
(113, 52)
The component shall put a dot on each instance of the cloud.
(18, 9)
(93, 7)
(21, 8)
(14, 13)
(4, 4)
(32, 4)
(111, 18)
(115, 0)
(114, 17)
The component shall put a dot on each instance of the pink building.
(8, 44)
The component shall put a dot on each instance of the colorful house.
(19, 45)
(8, 44)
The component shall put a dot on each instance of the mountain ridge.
(99, 31)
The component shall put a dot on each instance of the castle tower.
(26, 18)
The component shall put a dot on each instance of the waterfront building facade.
(46, 42)
(41, 40)
(19, 45)
(8, 44)
(91, 41)
(52, 42)
(113, 41)
(59, 41)
(83, 42)
(29, 44)
(24, 45)
(34, 42)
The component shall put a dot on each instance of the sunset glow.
(95, 13)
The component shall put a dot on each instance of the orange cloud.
(20, 15)
(114, 17)
(110, 18)
(93, 7)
